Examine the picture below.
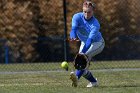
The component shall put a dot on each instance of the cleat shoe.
(73, 79)
(92, 84)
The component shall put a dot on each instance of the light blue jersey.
(84, 29)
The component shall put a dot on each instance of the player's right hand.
(74, 40)
(73, 36)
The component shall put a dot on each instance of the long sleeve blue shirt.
(86, 30)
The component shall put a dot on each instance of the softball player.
(85, 27)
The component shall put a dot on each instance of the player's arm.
(87, 45)
(74, 28)
(90, 39)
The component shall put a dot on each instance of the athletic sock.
(88, 75)
(79, 73)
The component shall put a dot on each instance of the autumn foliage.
(24, 22)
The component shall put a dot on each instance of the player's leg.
(85, 73)
(95, 49)
(76, 76)
(89, 76)
(78, 73)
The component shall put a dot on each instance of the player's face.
(88, 12)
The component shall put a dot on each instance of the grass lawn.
(53, 79)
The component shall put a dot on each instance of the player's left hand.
(81, 61)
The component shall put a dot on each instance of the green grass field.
(113, 76)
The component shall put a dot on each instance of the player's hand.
(74, 40)
(81, 61)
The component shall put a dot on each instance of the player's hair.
(88, 3)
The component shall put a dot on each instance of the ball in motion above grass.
(64, 65)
